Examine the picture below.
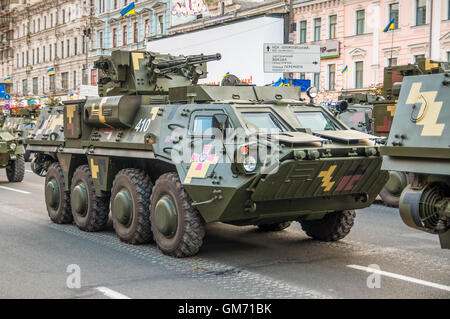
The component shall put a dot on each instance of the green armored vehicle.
(419, 143)
(167, 156)
(374, 114)
(12, 156)
(21, 123)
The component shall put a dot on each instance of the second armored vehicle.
(419, 143)
(167, 156)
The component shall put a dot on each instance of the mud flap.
(444, 238)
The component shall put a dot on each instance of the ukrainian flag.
(71, 95)
(8, 79)
(345, 70)
(390, 26)
(129, 9)
(51, 71)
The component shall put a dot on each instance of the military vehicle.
(419, 143)
(373, 114)
(12, 153)
(21, 123)
(168, 155)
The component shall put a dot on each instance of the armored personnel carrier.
(167, 156)
(12, 155)
(21, 123)
(373, 114)
(419, 143)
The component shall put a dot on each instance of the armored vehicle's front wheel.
(16, 169)
(90, 212)
(130, 200)
(334, 226)
(274, 227)
(57, 199)
(177, 226)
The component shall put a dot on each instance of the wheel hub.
(80, 199)
(396, 182)
(123, 207)
(166, 218)
(52, 194)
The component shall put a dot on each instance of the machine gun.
(149, 73)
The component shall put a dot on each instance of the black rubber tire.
(27, 155)
(62, 215)
(274, 227)
(15, 171)
(139, 185)
(96, 216)
(334, 226)
(190, 232)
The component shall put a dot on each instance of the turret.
(149, 73)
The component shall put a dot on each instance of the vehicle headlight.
(249, 164)
(12, 146)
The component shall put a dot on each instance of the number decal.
(144, 124)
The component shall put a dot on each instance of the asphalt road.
(235, 262)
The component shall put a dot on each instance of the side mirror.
(220, 121)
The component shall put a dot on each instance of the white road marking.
(111, 293)
(401, 277)
(28, 171)
(14, 190)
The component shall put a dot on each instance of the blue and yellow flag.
(8, 79)
(71, 95)
(51, 71)
(345, 70)
(129, 9)
(390, 26)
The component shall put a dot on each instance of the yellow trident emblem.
(326, 178)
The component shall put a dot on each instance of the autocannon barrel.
(189, 60)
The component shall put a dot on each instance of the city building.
(112, 31)
(50, 44)
(6, 34)
(351, 36)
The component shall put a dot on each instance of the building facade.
(6, 35)
(112, 31)
(50, 44)
(355, 28)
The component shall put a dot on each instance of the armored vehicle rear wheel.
(177, 226)
(274, 227)
(57, 199)
(130, 200)
(90, 212)
(16, 170)
(334, 226)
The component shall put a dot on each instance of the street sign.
(280, 58)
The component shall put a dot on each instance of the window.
(135, 32)
(65, 80)
(317, 80)
(393, 14)
(316, 121)
(39, 25)
(146, 26)
(302, 34)
(115, 4)
(51, 20)
(421, 12)
(43, 84)
(264, 121)
(124, 35)
(50, 52)
(68, 48)
(37, 56)
(83, 44)
(360, 21)
(32, 57)
(51, 82)
(25, 87)
(100, 40)
(331, 76)
(62, 49)
(64, 16)
(202, 124)
(448, 56)
(359, 67)
(23, 59)
(317, 26)
(84, 77)
(392, 61)
(114, 38)
(45, 22)
(43, 53)
(333, 23)
(419, 56)
(74, 80)
(35, 86)
(75, 45)
(448, 10)
(160, 25)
